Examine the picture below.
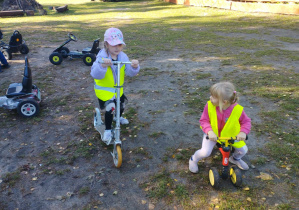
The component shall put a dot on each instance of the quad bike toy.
(88, 54)
(25, 97)
(234, 173)
(100, 125)
(16, 44)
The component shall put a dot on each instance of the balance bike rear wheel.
(117, 156)
(235, 176)
(214, 177)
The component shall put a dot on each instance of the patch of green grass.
(10, 179)
(259, 161)
(288, 39)
(84, 191)
(156, 134)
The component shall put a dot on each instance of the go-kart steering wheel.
(72, 37)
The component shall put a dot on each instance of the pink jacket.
(204, 120)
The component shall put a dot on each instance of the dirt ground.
(66, 119)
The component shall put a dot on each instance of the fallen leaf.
(34, 178)
(115, 193)
(246, 188)
(265, 176)
(248, 199)
(143, 202)
(102, 194)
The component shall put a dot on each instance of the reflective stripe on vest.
(105, 88)
(232, 126)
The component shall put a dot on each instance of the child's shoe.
(193, 167)
(240, 163)
(122, 120)
(107, 136)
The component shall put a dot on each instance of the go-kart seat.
(19, 89)
(94, 49)
(16, 39)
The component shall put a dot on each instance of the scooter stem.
(117, 129)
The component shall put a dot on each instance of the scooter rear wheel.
(214, 178)
(235, 176)
(117, 156)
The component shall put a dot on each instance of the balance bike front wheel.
(117, 156)
(214, 178)
(235, 176)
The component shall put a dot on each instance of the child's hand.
(134, 63)
(212, 136)
(106, 62)
(241, 136)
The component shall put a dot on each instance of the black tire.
(214, 178)
(56, 58)
(224, 173)
(7, 54)
(235, 176)
(64, 52)
(88, 59)
(28, 108)
(24, 49)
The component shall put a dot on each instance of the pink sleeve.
(204, 120)
(245, 123)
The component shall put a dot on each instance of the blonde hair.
(224, 91)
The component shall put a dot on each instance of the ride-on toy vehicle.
(88, 54)
(25, 97)
(16, 44)
(100, 125)
(234, 173)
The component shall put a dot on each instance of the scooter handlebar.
(118, 62)
(227, 138)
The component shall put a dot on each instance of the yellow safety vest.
(232, 126)
(105, 88)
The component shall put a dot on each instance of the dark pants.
(109, 114)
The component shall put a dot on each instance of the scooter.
(225, 146)
(88, 54)
(25, 97)
(100, 125)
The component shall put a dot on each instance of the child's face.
(114, 50)
(214, 100)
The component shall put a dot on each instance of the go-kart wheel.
(235, 176)
(56, 58)
(24, 49)
(88, 59)
(64, 52)
(7, 54)
(214, 177)
(28, 108)
(117, 156)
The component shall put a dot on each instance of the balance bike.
(88, 54)
(100, 125)
(225, 146)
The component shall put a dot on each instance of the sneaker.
(107, 136)
(240, 163)
(122, 120)
(193, 167)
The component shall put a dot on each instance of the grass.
(152, 27)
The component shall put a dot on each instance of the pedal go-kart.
(100, 125)
(16, 44)
(88, 54)
(25, 97)
(234, 173)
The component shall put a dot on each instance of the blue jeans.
(2, 59)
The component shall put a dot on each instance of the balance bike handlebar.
(227, 140)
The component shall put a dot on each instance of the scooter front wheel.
(117, 156)
(214, 177)
(235, 176)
